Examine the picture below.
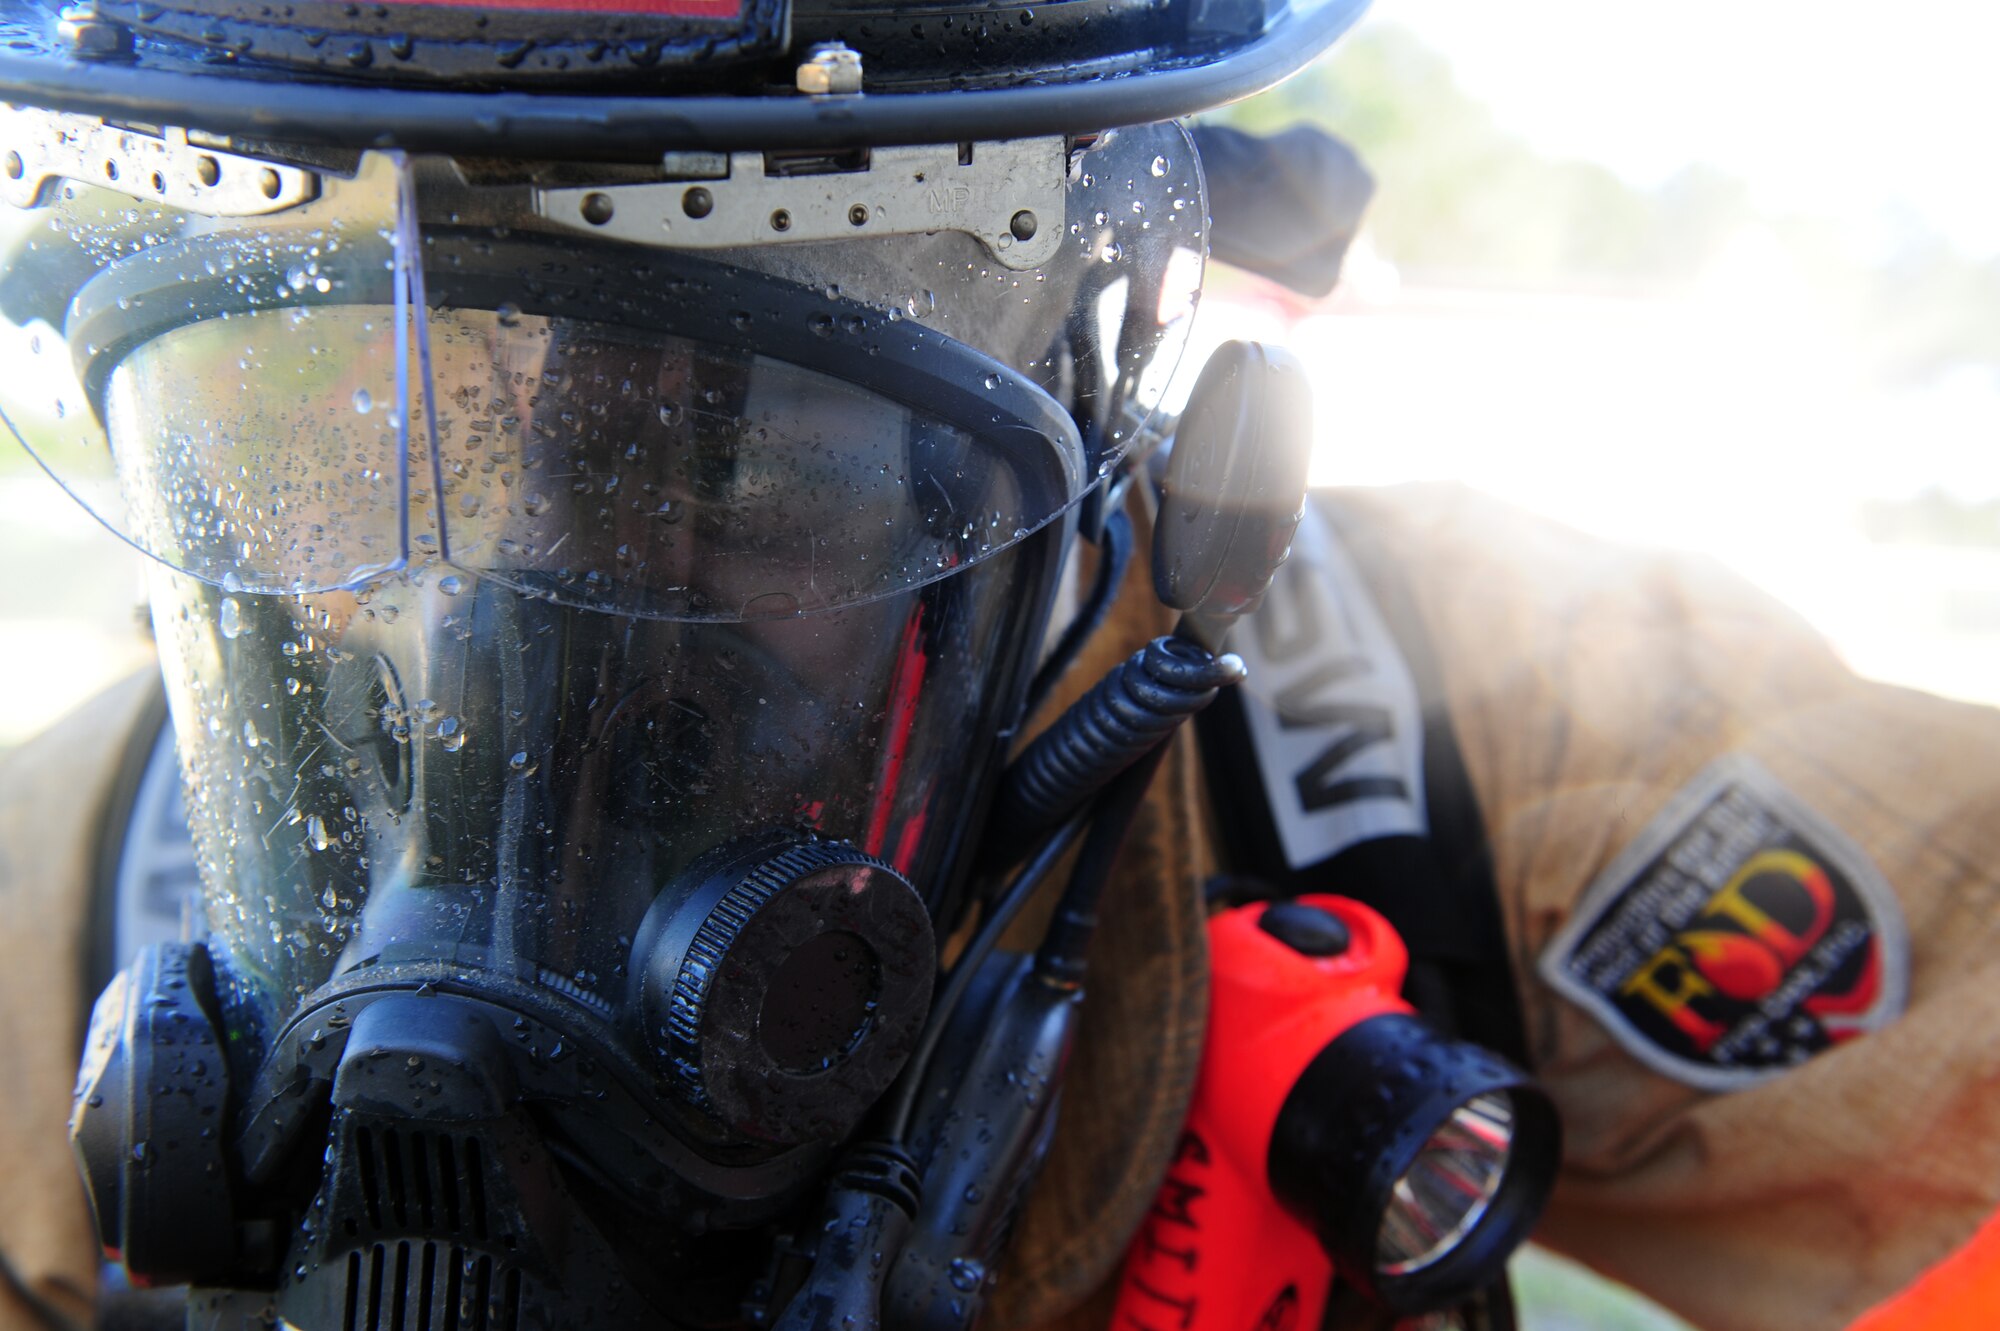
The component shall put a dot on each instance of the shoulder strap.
(1335, 768)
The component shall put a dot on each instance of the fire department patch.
(1738, 936)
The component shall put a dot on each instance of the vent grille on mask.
(421, 1286)
(428, 1182)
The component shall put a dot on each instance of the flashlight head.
(1449, 1187)
(1421, 1161)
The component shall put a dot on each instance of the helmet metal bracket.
(44, 147)
(1007, 194)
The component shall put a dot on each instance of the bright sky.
(1874, 113)
(1728, 420)
(1718, 424)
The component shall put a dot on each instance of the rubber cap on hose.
(787, 988)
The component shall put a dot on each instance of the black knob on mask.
(787, 987)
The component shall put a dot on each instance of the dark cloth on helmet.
(1286, 206)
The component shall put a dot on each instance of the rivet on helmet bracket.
(89, 35)
(830, 69)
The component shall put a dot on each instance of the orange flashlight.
(1333, 1133)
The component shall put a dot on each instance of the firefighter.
(624, 485)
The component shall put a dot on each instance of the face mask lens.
(1449, 1186)
(680, 610)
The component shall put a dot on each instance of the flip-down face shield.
(294, 449)
(529, 536)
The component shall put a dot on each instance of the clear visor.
(273, 379)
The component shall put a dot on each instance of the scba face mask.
(597, 599)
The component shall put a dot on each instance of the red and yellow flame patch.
(1738, 936)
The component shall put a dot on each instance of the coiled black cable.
(1127, 715)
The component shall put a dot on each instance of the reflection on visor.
(603, 424)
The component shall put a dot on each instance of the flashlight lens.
(1448, 1187)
